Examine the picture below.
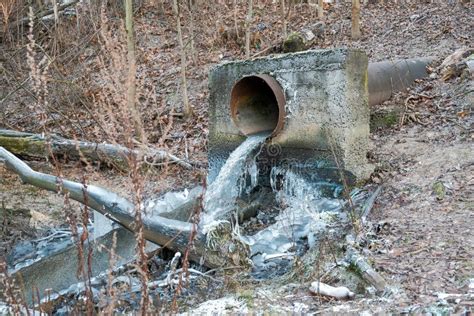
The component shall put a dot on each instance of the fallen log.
(39, 146)
(364, 269)
(40, 15)
(216, 249)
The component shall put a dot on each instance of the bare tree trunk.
(188, 112)
(248, 21)
(355, 30)
(283, 17)
(320, 9)
(236, 27)
(132, 72)
(191, 29)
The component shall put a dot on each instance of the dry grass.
(111, 109)
(6, 9)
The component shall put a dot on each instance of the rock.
(313, 32)
(293, 43)
(468, 71)
(414, 17)
(308, 35)
(261, 27)
(318, 29)
(340, 292)
(458, 56)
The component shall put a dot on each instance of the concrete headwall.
(326, 107)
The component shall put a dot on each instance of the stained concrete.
(326, 108)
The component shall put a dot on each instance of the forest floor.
(419, 235)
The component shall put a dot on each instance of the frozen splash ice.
(292, 187)
(306, 209)
(310, 207)
(249, 179)
(232, 180)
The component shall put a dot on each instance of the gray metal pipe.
(388, 77)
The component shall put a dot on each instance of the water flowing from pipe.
(221, 194)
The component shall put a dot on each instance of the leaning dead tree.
(216, 248)
(36, 145)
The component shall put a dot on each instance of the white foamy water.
(232, 179)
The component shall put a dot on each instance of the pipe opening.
(258, 105)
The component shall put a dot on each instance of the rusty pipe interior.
(258, 105)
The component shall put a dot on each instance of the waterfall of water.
(232, 180)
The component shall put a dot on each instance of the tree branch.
(176, 235)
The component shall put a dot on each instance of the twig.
(54, 236)
(263, 51)
(369, 204)
(223, 269)
(15, 90)
(168, 280)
